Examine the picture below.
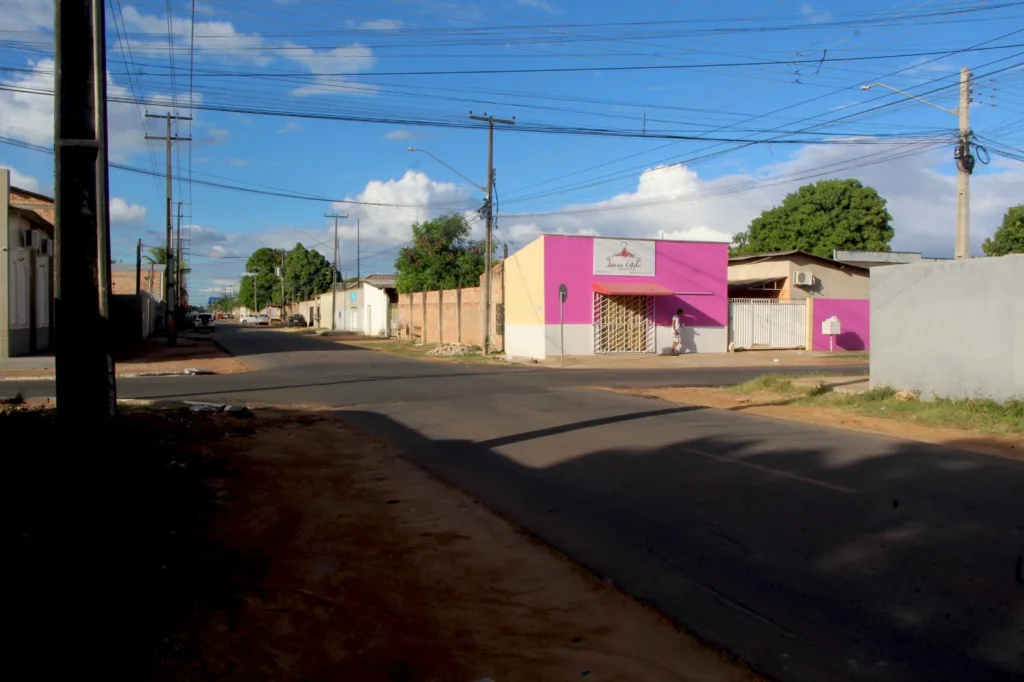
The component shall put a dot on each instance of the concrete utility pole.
(170, 296)
(334, 271)
(86, 390)
(138, 267)
(962, 154)
(489, 207)
(964, 166)
(359, 275)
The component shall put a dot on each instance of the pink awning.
(630, 289)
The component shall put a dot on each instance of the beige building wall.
(830, 281)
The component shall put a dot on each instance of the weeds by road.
(473, 356)
(979, 425)
(976, 414)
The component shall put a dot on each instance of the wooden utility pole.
(170, 295)
(489, 208)
(86, 390)
(334, 271)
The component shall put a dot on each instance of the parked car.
(204, 323)
(296, 321)
(248, 319)
(263, 319)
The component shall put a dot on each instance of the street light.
(962, 154)
(424, 151)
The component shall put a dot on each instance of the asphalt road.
(813, 554)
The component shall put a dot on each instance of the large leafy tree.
(442, 256)
(306, 273)
(818, 218)
(263, 263)
(1009, 238)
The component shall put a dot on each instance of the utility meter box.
(830, 327)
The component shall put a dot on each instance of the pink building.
(621, 295)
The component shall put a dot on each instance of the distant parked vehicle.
(248, 319)
(263, 319)
(204, 323)
(297, 321)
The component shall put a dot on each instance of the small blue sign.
(352, 297)
(213, 299)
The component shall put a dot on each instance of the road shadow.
(807, 566)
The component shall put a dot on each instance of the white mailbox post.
(831, 329)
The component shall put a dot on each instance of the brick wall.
(123, 281)
(453, 314)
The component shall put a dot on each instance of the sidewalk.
(152, 357)
(757, 358)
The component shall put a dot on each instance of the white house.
(26, 270)
(365, 306)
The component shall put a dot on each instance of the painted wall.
(854, 323)
(679, 266)
(952, 329)
(376, 312)
(524, 285)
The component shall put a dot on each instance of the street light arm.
(955, 112)
(424, 151)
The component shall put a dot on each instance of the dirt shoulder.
(359, 566)
(449, 352)
(154, 356)
(781, 406)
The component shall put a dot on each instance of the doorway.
(623, 324)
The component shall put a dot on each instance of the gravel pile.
(452, 349)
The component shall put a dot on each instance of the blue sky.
(322, 98)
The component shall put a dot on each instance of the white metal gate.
(623, 324)
(767, 323)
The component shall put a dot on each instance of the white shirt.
(676, 324)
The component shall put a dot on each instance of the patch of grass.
(975, 414)
(846, 356)
(783, 384)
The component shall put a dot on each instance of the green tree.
(263, 263)
(1009, 238)
(306, 273)
(818, 218)
(442, 256)
(157, 255)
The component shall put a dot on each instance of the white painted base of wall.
(695, 339)
(579, 339)
(524, 341)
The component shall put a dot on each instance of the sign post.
(563, 293)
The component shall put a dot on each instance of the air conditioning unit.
(46, 247)
(803, 278)
(30, 239)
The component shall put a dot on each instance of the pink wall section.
(854, 322)
(679, 266)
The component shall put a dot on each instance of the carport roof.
(630, 289)
(747, 283)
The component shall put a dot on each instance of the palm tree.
(156, 255)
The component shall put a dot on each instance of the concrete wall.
(455, 313)
(950, 329)
(375, 318)
(5, 265)
(854, 323)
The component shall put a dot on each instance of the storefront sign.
(624, 257)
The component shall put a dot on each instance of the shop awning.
(630, 289)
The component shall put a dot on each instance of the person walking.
(677, 331)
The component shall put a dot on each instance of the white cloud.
(290, 127)
(23, 181)
(28, 16)
(381, 25)
(124, 213)
(677, 202)
(399, 135)
(33, 113)
(542, 5)
(350, 59)
(240, 163)
(815, 17)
